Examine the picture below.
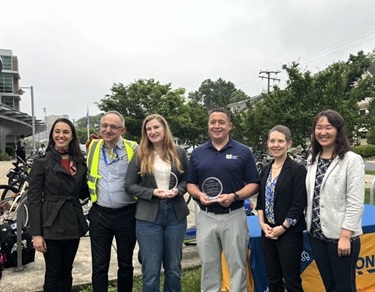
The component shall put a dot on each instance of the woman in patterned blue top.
(335, 185)
(280, 204)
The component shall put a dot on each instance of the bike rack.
(372, 192)
(20, 219)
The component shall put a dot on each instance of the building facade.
(13, 122)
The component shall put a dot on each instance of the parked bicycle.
(10, 201)
(18, 175)
(261, 159)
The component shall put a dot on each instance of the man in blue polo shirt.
(221, 223)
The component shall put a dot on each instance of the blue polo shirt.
(234, 165)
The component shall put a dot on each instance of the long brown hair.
(342, 144)
(75, 151)
(145, 153)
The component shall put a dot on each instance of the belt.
(220, 210)
(113, 210)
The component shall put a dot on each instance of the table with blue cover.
(311, 280)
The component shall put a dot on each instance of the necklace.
(273, 167)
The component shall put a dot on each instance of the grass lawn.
(191, 280)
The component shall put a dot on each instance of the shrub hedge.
(365, 150)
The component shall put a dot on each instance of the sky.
(73, 51)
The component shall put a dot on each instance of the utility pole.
(269, 77)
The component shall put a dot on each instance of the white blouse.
(162, 173)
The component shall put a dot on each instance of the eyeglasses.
(112, 127)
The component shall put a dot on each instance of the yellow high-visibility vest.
(92, 161)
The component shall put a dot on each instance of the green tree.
(144, 97)
(196, 133)
(218, 93)
(81, 125)
(370, 136)
(306, 94)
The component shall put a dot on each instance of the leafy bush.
(10, 150)
(3, 156)
(370, 136)
(365, 150)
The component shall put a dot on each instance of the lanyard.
(111, 161)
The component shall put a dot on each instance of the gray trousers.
(217, 233)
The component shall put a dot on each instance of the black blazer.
(290, 194)
(143, 187)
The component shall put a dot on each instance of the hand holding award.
(212, 187)
(173, 182)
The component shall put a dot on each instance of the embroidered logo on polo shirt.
(230, 156)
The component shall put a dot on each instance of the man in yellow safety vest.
(113, 211)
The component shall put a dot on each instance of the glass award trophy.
(173, 181)
(212, 187)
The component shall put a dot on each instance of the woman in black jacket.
(57, 181)
(281, 202)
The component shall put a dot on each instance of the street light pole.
(32, 113)
(33, 116)
(45, 121)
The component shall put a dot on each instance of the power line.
(316, 55)
(269, 78)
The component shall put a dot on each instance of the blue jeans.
(161, 242)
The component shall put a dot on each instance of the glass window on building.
(8, 100)
(6, 83)
(7, 62)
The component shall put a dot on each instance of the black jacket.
(53, 197)
(290, 194)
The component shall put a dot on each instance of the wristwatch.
(236, 196)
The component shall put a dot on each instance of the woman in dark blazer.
(161, 208)
(280, 204)
(57, 181)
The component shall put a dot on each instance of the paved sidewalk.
(32, 276)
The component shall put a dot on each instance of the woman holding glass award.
(157, 177)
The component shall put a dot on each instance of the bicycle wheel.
(7, 191)
(9, 210)
(259, 166)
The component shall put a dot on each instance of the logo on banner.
(306, 258)
(365, 264)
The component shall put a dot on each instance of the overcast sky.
(72, 52)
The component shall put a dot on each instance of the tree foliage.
(339, 87)
(81, 125)
(370, 136)
(218, 93)
(144, 97)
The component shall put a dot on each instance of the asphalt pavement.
(31, 276)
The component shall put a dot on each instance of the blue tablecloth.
(256, 259)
